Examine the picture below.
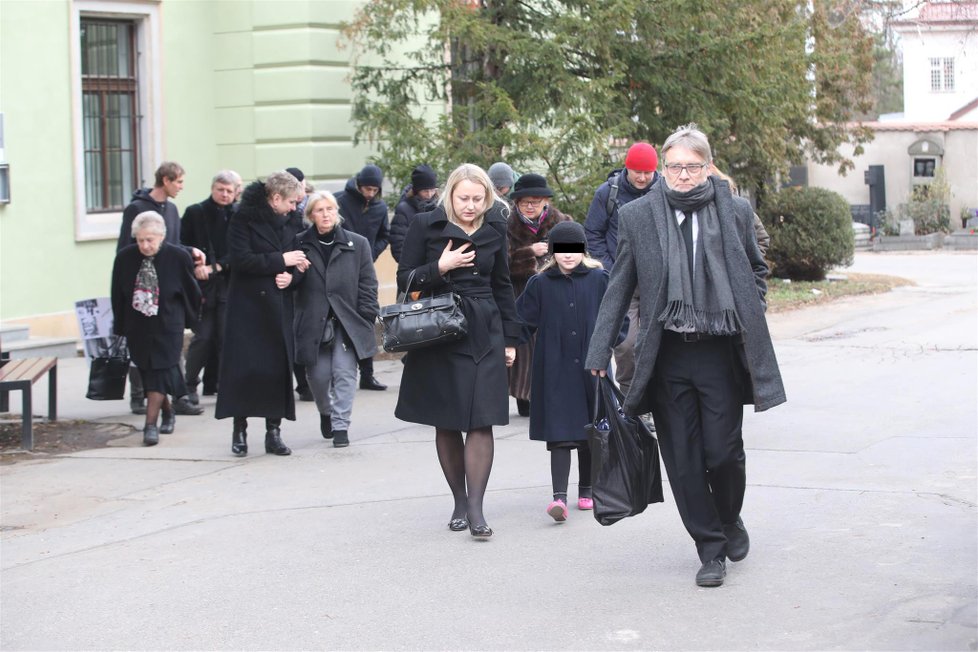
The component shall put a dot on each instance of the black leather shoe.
(326, 426)
(480, 531)
(274, 444)
(137, 405)
(458, 524)
(369, 382)
(340, 439)
(522, 407)
(183, 406)
(305, 394)
(210, 391)
(712, 573)
(193, 398)
(239, 441)
(151, 436)
(738, 543)
(168, 423)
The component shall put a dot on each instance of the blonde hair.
(315, 198)
(715, 171)
(475, 174)
(587, 261)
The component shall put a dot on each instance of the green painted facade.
(252, 85)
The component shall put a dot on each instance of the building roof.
(964, 110)
(919, 126)
(943, 13)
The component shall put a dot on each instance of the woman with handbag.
(154, 297)
(528, 230)
(462, 385)
(335, 310)
(256, 362)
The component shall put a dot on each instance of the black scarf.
(705, 304)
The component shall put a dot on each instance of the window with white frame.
(109, 112)
(941, 74)
(116, 86)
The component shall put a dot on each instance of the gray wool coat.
(641, 262)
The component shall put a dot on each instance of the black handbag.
(107, 375)
(625, 477)
(411, 325)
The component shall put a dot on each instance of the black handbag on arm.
(424, 322)
(107, 375)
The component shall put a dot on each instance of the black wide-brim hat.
(531, 185)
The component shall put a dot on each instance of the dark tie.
(687, 228)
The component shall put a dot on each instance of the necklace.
(323, 242)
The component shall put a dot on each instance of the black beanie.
(370, 175)
(297, 173)
(423, 178)
(569, 232)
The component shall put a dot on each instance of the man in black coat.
(364, 212)
(168, 184)
(205, 227)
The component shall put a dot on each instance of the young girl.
(561, 304)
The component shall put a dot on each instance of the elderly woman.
(529, 228)
(461, 386)
(335, 310)
(256, 363)
(154, 297)
(688, 246)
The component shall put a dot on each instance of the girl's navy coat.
(562, 309)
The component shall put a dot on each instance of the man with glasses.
(689, 249)
(601, 229)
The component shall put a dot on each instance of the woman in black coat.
(463, 385)
(335, 310)
(154, 297)
(256, 363)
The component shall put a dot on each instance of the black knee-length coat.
(155, 342)
(461, 385)
(256, 362)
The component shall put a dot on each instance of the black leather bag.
(107, 375)
(427, 321)
(625, 476)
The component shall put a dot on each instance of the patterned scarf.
(534, 224)
(146, 293)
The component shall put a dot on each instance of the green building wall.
(252, 85)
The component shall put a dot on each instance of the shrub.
(811, 232)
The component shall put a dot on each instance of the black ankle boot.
(239, 438)
(274, 444)
(326, 426)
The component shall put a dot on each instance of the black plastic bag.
(625, 476)
(107, 375)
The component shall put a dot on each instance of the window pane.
(93, 181)
(949, 74)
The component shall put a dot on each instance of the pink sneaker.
(557, 510)
(585, 503)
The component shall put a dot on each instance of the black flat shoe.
(151, 436)
(168, 423)
(274, 444)
(239, 442)
(480, 531)
(458, 524)
(738, 543)
(371, 383)
(711, 574)
(522, 407)
(326, 426)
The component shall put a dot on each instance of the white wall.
(920, 103)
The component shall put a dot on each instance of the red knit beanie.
(642, 158)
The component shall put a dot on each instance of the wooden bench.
(22, 374)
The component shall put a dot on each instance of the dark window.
(109, 116)
(924, 167)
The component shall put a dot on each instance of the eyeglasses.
(530, 202)
(675, 169)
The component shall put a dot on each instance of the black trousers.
(698, 411)
(206, 343)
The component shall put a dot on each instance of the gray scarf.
(704, 304)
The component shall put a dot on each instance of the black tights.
(560, 462)
(156, 401)
(466, 462)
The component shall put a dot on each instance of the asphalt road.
(861, 507)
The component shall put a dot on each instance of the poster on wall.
(95, 325)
